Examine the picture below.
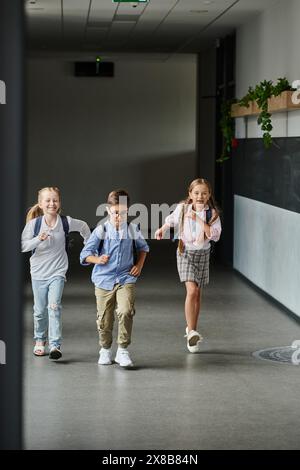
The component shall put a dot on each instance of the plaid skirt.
(193, 265)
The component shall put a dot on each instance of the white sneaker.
(123, 358)
(105, 358)
(193, 340)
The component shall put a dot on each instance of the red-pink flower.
(234, 143)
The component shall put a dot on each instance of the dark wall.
(206, 115)
(270, 175)
(225, 90)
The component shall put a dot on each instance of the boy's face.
(117, 214)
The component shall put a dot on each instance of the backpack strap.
(101, 241)
(208, 215)
(37, 225)
(66, 228)
(131, 233)
(37, 228)
(208, 218)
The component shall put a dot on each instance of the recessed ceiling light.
(199, 11)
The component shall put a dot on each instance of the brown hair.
(211, 203)
(36, 211)
(114, 197)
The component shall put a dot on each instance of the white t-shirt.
(50, 258)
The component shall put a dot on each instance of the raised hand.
(43, 236)
(159, 234)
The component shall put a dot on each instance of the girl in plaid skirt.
(198, 223)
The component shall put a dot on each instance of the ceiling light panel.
(127, 9)
(154, 15)
(193, 12)
(74, 18)
(102, 10)
(50, 7)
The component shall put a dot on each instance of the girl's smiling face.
(49, 202)
(199, 196)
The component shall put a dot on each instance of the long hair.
(211, 203)
(36, 211)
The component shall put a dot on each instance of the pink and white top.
(192, 234)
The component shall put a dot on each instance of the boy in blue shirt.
(112, 248)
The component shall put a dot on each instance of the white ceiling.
(84, 27)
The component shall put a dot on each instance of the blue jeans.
(47, 310)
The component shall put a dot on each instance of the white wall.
(267, 250)
(91, 135)
(266, 237)
(268, 48)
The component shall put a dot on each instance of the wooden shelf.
(240, 111)
(283, 102)
(276, 104)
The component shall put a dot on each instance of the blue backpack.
(208, 217)
(38, 223)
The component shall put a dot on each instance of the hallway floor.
(221, 398)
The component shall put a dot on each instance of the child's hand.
(199, 207)
(135, 270)
(158, 234)
(103, 259)
(43, 236)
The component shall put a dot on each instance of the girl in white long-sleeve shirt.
(48, 266)
(198, 223)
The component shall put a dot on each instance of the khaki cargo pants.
(121, 299)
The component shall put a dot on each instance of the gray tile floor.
(222, 398)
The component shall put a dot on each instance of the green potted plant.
(261, 95)
(257, 101)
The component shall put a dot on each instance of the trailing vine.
(263, 91)
(227, 125)
(260, 94)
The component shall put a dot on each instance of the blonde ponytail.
(33, 212)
